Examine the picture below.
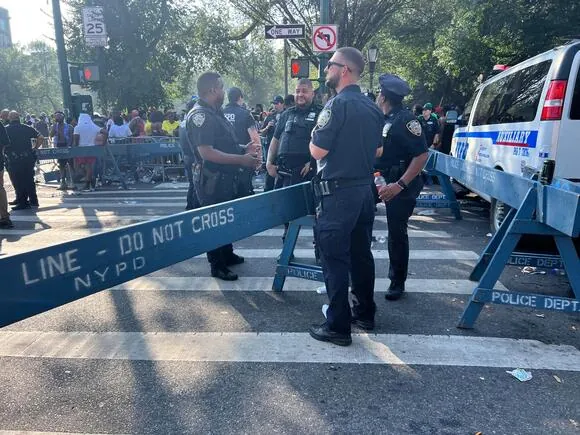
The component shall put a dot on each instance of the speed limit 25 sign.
(94, 26)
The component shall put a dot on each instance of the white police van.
(524, 115)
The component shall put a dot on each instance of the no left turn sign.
(324, 38)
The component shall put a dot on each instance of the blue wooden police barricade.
(444, 199)
(46, 278)
(551, 210)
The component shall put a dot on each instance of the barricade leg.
(571, 263)
(447, 189)
(116, 167)
(288, 268)
(495, 267)
(491, 247)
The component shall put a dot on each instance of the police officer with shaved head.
(345, 143)
(404, 155)
(216, 149)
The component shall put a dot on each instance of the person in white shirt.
(84, 135)
(119, 130)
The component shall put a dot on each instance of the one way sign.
(285, 31)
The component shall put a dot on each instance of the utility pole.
(286, 50)
(323, 57)
(61, 52)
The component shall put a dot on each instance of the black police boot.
(395, 291)
(234, 260)
(223, 273)
(366, 324)
(21, 207)
(15, 202)
(322, 333)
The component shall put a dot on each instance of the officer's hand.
(388, 192)
(305, 170)
(249, 161)
(271, 124)
(272, 169)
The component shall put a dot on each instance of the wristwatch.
(402, 184)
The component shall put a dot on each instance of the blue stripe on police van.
(519, 138)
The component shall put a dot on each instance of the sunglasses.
(330, 64)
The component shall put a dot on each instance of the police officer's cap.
(277, 99)
(394, 84)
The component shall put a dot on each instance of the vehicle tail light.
(554, 104)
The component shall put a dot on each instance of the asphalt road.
(179, 352)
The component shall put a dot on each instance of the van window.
(575, 108)
(513, 98)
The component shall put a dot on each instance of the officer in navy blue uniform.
(188, 162)
(245, 130)
(221, 161)
(289, 157)
(404, 156)
(345, 143)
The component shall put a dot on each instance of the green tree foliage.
(29, 79)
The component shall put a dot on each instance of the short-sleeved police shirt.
(21, 136)
(207, 126)
(349, 128)
(403, 139)
(430, 128)
(241, 119)
(271, 117)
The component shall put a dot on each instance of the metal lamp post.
(372, 54)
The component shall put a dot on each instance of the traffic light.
(83, 74)
(91, 73)
(300, 68)
(81, 104)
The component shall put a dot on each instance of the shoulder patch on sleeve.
(414, 127)
(198, 119)
(324, 117)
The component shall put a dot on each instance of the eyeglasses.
(330, 64)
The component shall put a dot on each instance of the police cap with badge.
(394, 89)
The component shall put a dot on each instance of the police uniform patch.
(323, 118)
(414, 127)
(386, 129)
(198, 119)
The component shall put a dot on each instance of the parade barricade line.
(46, 278)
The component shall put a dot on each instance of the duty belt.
(328, 187)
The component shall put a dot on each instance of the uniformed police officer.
(345, 143)
(215, 146)
(430, 125)
(289, 157)
(403, 158)
(188, 162)
(20, 159)
(245, 130)
(267, 131)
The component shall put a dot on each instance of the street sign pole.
(61, 52)
(286, 49)
(323, 57)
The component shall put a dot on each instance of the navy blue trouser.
(343, 234)
(192, 201)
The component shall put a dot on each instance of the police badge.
(198, 119)
(323, 118)
(414, 127)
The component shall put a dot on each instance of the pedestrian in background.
(404, 156)
(21, 159)
(345, 143)
(5, 221)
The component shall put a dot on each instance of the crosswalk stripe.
(416, 254)
(274, 232)
(261, 284)
(89, 200)
(393, 349)
(128, 191)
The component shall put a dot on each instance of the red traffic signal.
(91, 73)
(300, 68)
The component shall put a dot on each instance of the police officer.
(289, 157)
(244, 129)
(345, 143)
(21, 158)
(430, 125)
(221, 159)
(188, 161)
(403, 158)
(267, 130)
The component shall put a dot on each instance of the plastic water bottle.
(379, 180)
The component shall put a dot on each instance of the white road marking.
(393, 349)
(263, 284)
